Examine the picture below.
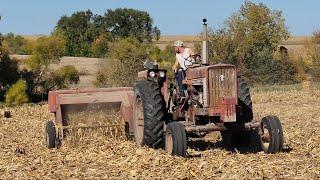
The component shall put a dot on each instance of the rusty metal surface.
(221, 127)
(201, 72)
(52, 102)
(91, 90)
(219, 84)
(120, 99)
(205, 128)
(196, 73)
(220, 81)
(222, 84)
(226, 109)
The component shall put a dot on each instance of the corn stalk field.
(96, 155)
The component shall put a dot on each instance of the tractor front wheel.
(176, 139)
(271, 134)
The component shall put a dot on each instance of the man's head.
(178, 46)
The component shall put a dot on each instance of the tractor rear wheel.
(244, 101)
(272, 134)
(148, 114)
(176, 139)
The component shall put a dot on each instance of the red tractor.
(157, 116)
(217, 100)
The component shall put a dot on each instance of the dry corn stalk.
(24, 155)
(86, 125)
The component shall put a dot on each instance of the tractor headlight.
(162, 74)
(152, 74)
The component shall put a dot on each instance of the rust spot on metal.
(116, 97)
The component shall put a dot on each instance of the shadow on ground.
(199, 144)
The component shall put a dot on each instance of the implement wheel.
(148, 114)
(176, 139)
(272, 135)
(51, 135)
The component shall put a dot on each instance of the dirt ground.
(24, 155)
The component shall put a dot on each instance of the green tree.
(167, 58)
(41, 78)
(87, 34)
(100, 45)
(124, 61)
(249, 38)
(313, 56)
(17, 94)
(78, 31)
(124, 22)
(46, 50)
(15, 43)
(8, 71)
(62, 78)
(266, 70)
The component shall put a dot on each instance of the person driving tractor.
(183, 60)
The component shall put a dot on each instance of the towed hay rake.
(87, 109)
(158, 116)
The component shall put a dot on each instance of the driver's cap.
(178, 43)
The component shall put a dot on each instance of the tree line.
(124, 37)
(81, 34)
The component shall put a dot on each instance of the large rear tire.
(176, 139)
(272, 135)
(148, 114)
(244, 101)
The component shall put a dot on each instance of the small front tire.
(176, 139)
(271, 135)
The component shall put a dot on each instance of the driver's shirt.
(184, 58)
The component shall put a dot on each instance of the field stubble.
(24, 155)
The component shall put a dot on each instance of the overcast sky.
(173, 17)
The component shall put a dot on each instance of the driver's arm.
(175, 65)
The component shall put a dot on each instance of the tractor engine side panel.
(222, 84)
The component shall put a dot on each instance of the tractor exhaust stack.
(204, 54)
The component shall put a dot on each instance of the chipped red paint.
(228, 110)
(225, 107)
(122, 95)
(52, 101)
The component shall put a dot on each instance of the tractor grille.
(222, 84)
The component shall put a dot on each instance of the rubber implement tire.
(272, 135)
(148, 114)
(244, 101)
(176, 139)
(51, 136)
